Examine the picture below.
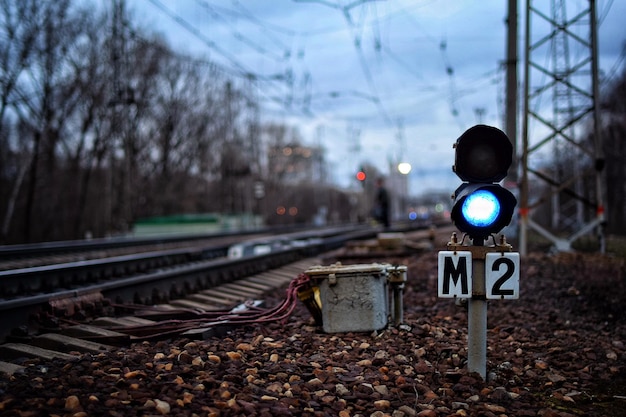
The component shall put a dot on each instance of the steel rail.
(29, 250)
(156, 286)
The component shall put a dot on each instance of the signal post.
(479, 272)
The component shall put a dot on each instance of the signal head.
(483, 154)
(482, 158)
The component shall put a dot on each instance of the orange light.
(293, 211)
(280, 210)
(360, 176)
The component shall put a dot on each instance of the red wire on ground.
(251, 315)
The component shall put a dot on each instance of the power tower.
(561, 195)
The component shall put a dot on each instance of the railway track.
(14, 257)
(68, 250)
(151, 277)
(197, 299)
(199, 315)
(150, 299)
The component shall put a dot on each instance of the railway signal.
(360, 175)
(483, 155)
(482, 207)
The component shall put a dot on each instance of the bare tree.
(18, 33)
(85, 143)
(102, 123)
(44, 98)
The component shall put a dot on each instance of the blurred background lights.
(404, 168)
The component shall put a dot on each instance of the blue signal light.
(481, 208)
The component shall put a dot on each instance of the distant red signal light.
(360, 176)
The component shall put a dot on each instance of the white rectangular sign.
(502, 275)
(455, 274)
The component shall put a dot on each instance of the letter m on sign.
(455, 274)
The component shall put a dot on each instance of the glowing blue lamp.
(481, 208)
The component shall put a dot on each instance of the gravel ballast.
(557, 351)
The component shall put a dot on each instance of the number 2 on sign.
(502, 275)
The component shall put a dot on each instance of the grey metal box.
(354, 298)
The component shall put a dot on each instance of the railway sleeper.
(64, 343)
(116, 322)
(97, 334)
(238, 289)
(8, 368)
(163, 312)
(13, 351)
(198, 305)
(216, 298)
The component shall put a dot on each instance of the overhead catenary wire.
(297, 87)
(213, 11)
(241, 69)
(443, 46)
(356, 38)
(238, 69)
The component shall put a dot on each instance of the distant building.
(296, 164)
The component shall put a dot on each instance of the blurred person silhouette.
(381, 203)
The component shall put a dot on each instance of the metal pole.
(477, 321)
(511, 85)
(511, 105)
(597, 134)
(524, 212)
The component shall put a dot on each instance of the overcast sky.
(371, 81)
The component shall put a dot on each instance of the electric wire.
(355, 31)
(239, 69)
(238, 35)
(249, 315)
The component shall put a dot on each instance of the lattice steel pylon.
(561, 194)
